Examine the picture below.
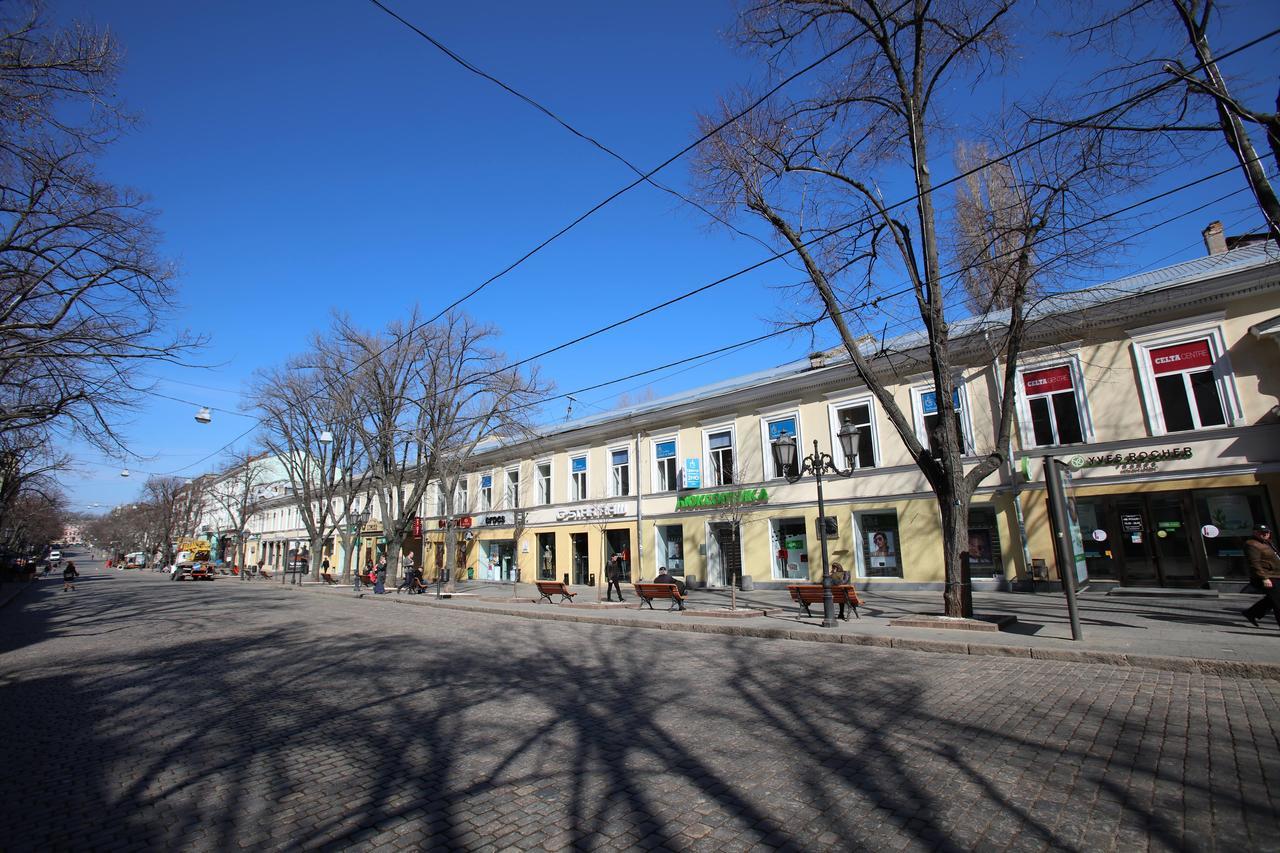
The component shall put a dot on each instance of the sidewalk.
(9, 590)
(1180, 635)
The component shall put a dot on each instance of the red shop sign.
(1047, 381)
(417, 526)
(1181, 357)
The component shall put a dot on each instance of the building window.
(1186, 386)
(486, 493)
(578, 478)
(1053, 406)
(440, 501)
(544, 483)
(720, 451)
(619, 473)
(774, 430)
(512, 488)
(460, 497)
(671, 548)
(858, 415)
(877, 546)
(665, 476)
(929, 418)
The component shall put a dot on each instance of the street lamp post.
(817, 464)
(358, 520)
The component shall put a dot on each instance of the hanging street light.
(124, 472)
(817, 464)
(204, 416)
(326, 437)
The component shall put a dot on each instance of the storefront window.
(878, 544)
(984, 542)
(1227, 517)
(671, 548)
(791, 549)
(546, 556)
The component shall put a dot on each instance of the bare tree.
(1195, 98)
(83, 293)
(309, 426)
(811, 170)
(427, 396)
(237, 493)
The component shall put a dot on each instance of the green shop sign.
(742, 496)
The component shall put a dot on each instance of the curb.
(1201, 666)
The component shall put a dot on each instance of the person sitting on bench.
(665, 577)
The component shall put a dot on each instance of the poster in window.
(882, 549)
(1230, 514)
(980, 548)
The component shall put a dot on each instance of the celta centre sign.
(715, 499)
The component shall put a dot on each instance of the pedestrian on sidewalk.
(613, 573)
(380, 576)
(1264, 569)
(69, 575)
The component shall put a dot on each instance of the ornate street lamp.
(817, 464)
(358, 520)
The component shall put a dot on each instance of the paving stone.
(265, 721)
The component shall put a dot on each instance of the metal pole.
(1062, 547)
(828, 600)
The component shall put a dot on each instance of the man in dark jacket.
(1264, 569)
(613, 574)
(665, 576)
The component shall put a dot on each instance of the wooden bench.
(809, 594)
(549, 588)
(647, 592)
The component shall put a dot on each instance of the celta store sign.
(742, 496)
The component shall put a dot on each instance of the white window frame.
(653, 459)
(1071, 361)
(550, 481)
(612, 485)
(461, 498)
(441, 505)
(766, 451)
(707, 467)
(1208, 327)
(486, 495)
(833, 420)
(510, 496)
(586, 475)
(918, 414)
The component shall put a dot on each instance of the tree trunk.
(316, 547)
(393, 558)
(953, 502)
(348, 557)
(450, 555)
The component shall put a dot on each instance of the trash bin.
(566, 578)
(691, 581)
(592, 581)
(746, 584)
(471, 573)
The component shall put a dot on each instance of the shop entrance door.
(1172, 541)
(579, 543)
(724, 559)
(1138, 565)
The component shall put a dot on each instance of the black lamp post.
(817, 464)
(358, 519)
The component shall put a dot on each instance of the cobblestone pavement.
(151, 715)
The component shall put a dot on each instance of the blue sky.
(314, 156)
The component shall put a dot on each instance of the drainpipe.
(639, 561)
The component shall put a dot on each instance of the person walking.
(1264, 569)
(69, 575)
(380, 576)
(613, 573)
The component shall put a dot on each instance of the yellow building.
(1160, 389)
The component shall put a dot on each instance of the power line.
(1142, 94)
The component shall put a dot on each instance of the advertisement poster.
(693, 473)
(882, 550)
(1075, 537)
(980, 548)
(1230, 514)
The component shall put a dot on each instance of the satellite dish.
(204, 416)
